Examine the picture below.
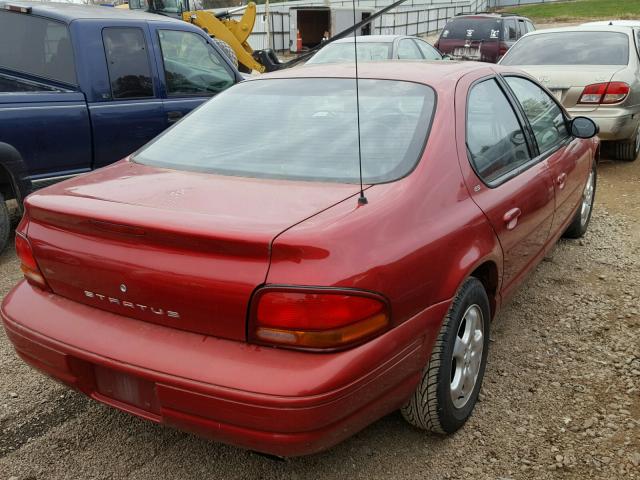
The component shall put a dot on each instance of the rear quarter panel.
(415, 241)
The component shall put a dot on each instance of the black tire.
(5, 224)
(432, 407)
(629, 150)
(227, 50)
(579, 225)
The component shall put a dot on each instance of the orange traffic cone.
(299, 42)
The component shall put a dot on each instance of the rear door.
(126, 111)
(569, 158)
(505, 177)
(191, 69)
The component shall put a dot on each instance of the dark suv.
(484, 37)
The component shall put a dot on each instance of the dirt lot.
(561, 397)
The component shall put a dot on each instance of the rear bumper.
(274, 401)
(616, 124)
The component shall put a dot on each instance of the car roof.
(374, 38)
(495, 16)
(583, 28)
(68, 12)
(438, 74)
(613, 23)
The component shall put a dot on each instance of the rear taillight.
(316, 319)
(502, 48)
(28, 263)
(604, 93)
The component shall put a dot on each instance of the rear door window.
(542, 112)
(128, 62)
(191, 65)
(36, 46)
(522, 28)
(530, 27)
(570, 48)
(495, 139)
(510, 33)
(408, 50)
(428, 52)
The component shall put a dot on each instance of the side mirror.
(446, 57)
(583, 127)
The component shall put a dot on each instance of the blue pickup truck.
(84, 86)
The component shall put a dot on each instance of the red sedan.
(225, 279)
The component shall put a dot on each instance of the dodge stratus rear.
(235, 285)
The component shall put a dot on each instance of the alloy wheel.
(467, 356)
(587, 199)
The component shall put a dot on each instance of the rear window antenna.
(362, 200)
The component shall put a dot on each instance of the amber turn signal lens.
(317, 320)
(28, 263)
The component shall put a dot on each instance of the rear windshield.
(36, 46)
(472, 29)
(343, 52)
(570, 48)
(301, 129)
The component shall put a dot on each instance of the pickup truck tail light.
(604, 93)
(28, 263)
(322, 319)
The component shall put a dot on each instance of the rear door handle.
(562, 180)
(174, 116)
(511, 218)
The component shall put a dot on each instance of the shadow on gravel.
(59, 409)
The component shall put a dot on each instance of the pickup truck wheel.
(580, 223)
(5, 224)
(451, 381)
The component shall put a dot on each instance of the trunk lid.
(567, 82)
(181, 249)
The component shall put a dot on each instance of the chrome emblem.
(123, 288)
(161, 312)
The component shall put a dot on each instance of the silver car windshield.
(570, 48)
(343, 52)
(301, 129)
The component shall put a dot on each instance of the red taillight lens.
(28, 263)
(616, 92)
(316, 319)
(604, 93)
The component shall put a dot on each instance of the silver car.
(594, 70)
(376, 47)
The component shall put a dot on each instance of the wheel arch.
(488, 274)
(12, 173)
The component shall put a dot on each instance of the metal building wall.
(415, 17)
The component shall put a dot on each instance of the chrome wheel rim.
(587, 199)
(467, 356)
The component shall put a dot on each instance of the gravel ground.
(561, 398)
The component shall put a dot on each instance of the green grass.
(580, 9)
